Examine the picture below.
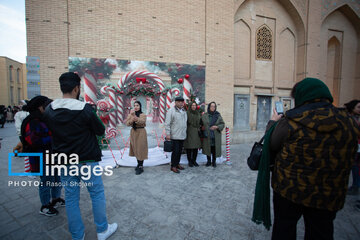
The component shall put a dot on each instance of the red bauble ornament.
(198, 107)
(180, 80)
(187, 76)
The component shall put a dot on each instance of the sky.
(13, 30)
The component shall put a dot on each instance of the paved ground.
(200, 203)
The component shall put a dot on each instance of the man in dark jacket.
(74, 125)
(315, 145)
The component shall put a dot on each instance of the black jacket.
(74, 126)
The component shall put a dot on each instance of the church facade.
(252, 51)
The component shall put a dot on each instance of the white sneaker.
(106, 234)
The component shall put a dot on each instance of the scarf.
(261, 210)
(310, 89)
(137, 113)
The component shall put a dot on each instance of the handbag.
(253, 160)
(168, 146)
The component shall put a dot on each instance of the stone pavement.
(200, 203)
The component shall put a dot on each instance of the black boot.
(139, 170)
(194, 156)
(189, 157)
(214, 162)
(208, 161)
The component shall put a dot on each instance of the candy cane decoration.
(27, 164)
(119, 112)
(90, 88)
(111, 132)
(103, 105)
(148, 75)
(187, 87)
(147, 105)
(111, 92)
(107, 142)
(227, 143)
(175, 92)
(168, 99)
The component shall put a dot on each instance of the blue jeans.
(49, 186)
(95, 188)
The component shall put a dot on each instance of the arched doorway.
(269, 45)
(334, 67)
(340, 54)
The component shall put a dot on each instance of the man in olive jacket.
(315, 145)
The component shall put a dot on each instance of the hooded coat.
(74, 125)
(315, 144)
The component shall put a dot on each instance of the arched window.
(18, 75)
(264, 43)
(10, 72)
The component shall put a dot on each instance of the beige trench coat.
(138, 137)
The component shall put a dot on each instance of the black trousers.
(318, 222)
(192, 154)
(213, 153)
(176, 153)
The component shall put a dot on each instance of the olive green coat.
(206, 146)
(192, 140)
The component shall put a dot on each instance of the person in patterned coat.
(314, 146)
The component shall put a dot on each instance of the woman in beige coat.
(138, 136)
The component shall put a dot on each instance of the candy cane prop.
(107, 142)
(103, 104)
(119, 113)
(187, 87)
(90, 88)
(168, 99)
(175, 92)
(122, 137)
(27, 164)
(110, 132)
(126, 145)
(227, 144)
(111, 92)
(151, 76)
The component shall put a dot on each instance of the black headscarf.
(215, 114)
(137, 113)
(193, 116)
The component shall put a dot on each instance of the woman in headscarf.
(313, 146)
(192, 142)
(138, 137)
(213, 124)
(36, 138)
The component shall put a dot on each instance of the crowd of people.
(7, 114)
(312, 147)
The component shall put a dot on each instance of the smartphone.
(279, 107)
